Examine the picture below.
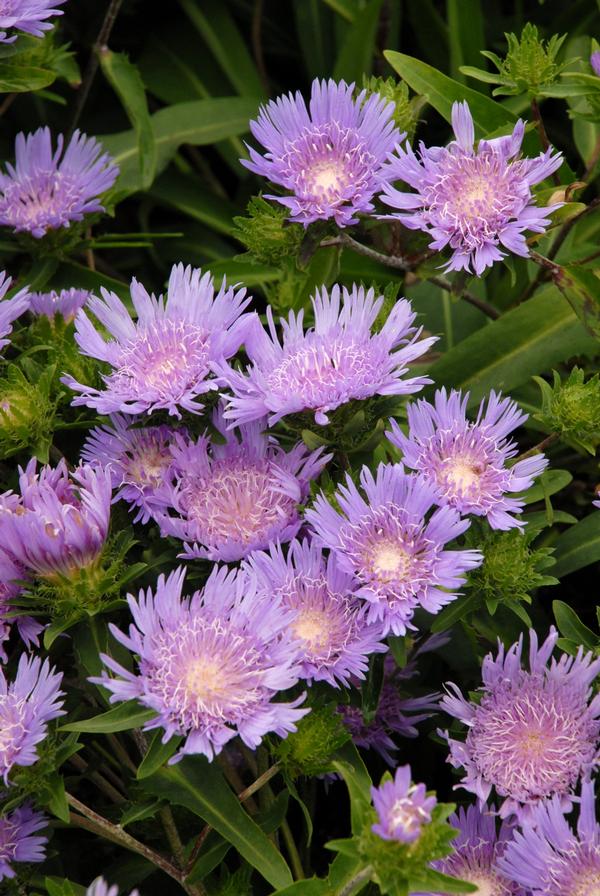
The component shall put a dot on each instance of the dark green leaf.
(350, 766)
(454, 612)
(578, 546)
(465, 30)
(570, 626)
(356, 53)
(122, 718)
(22, 78)
(158, 754)
(581, 288)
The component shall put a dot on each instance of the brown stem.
(92, 67)
(539, 123)
(541, 446)
(170, 828)
(468, 296)
(99, 780)
(7, 103)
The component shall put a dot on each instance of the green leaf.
(581, 288)
(350, 766)
(313, 887)
(56, 887)
(525, 341)
(125, 79)
(357, 50)
(570, 626)
(22, 78)
(122, 718)
(465, 30)
(454, 612)
(198, 122)
(189, 195)
(550, 482)
(442, 883)
(56, 797)
(199, 786)
(578, 546)
(479, 74)
(158, 753)
(441, 91)
(314, 36)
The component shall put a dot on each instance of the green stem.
(297, 869)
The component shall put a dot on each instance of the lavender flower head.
(477, 850)
(338, 360)
(467, 461)
(237, 497)
(330, 156)
(10, 309)
(402, 808)
(46, 190)
(101, 888)
(476, 202)
(59, 523)
(163, 360)
(329, 623)
(138, 460)
(211, 664)
(12, 574)
(385, 540)
(595, 62)
(28, 16)
(19, 840)
(534, 732)
(547, 857)
(67, 302)
(27, 704)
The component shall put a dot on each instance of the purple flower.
(237, 497)
(329, 622)
(402, 808)
(477, 849)
(330, 156)
(395, 713)
(210, 665)
(548, 858)
(101, 888)
(396, 554)
(532, 734)
(46, 190)
(26, 706)
(12, 574)
(338, 360)
(163, 360)
(18, 842)
(467, 461)
(28, 16)
(59, 523)
(595, 62)
(138, 460)
(478, 203)
(67, 302)
(10, 309)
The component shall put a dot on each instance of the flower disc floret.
(211, 665)
(20, 841)
(226, 500)
(335, 640)
(59, 523)
(67, 302)
(163, 360)
(547, 856)
(402, 808)
(478, 203)
(46, 189)
(27, 16)
(330, 156)
(533, 733)
(467, 461)
(389, 544)
(328, 365)
(27, 704)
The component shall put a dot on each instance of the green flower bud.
(407, 110)
(572, 408)
(266, 234)
(309, 750)
(26, 413)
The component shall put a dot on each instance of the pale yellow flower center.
(389, 560)
(311, 627)
(328, 177)
(463, 474)
(204, 679)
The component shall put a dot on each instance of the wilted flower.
(330, 156)
(137, 458)
(334, 636)
(101, 888)
(59, 523)
(532, 734)
(163, 360)
(28, 16)
(548, 858)
(10, 309)
(397, 555)
(46, 190)
(67, 302)
(209, 665)
(18, 840)
(478, 203)
(402, 808)
(27, 704)
(477, 849)
(236, 497)
(467, 461)
(338, 360)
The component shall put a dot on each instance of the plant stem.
(541, 446)
(539, 123)
(92, 67)
(357, 883)
(168, 823)
(297, 869)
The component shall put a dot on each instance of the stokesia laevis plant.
(27, 16)
(20, 840)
